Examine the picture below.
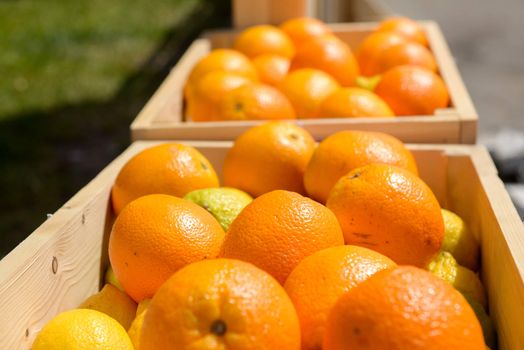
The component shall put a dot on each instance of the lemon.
(136, 326)
(225, 203)
(368, 83)
(488, 330)
(110, 277)
(459, 241)
(142, 306)
(82, 329)
(114, 303)
(463, 279)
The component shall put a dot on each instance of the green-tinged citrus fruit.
(488, 329)
(110, 278)
(462, 278)
(225, 203)
(460, 241)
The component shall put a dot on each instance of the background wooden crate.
(63, 261)
(163, 115)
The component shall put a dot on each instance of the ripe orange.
(372, 47)
(279, 229)
(353, 103)
(220, 304)
(330, 55)
(406, 27)
(156, 235)
(302, 29)
(268, 157)
(412, 90)
(403, 308)
(255, 102)
(221, 59)
(322, 278)
(306, 89)
(264, 39)
(411, 53)
(205, 97)
(271, 68)
(169, 168)
(390, 210)
(346, 150)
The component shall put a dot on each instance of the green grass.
(73, 76)
(64, 52)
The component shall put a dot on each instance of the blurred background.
(74, 74)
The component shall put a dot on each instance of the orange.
(112, 302)
(346, 150)
(204, 100)
(156, 235)
(372, 47)
(268, 157)
(220, 304)
(271, 68)
(264, 39)
(221, 59)
(400, 54)
(353, 103)
(169, 168)
(406, 27)
(329, 54)
(319, 280)
(255, 102)
(390, 210)
(302, 29)
(279, 229)
(306, 89)
(403, 308)
(412, 90)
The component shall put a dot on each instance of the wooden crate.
(63, 261)
(248, 13)
(163, 116)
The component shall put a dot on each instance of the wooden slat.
(438, 129)
(458, 93)
(249, 13)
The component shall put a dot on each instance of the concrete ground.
(487, 40)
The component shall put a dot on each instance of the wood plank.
(249, 13)
(166, 103)
(459, 95)
(438, 129)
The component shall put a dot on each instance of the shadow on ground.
(47, 156)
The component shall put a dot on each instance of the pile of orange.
(343, 269)
(301, 69)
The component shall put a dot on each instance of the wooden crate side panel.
(485, 205)
(61, 263)
(167, 102)
(57, 276)
(460, 98)
(436, 130)
(248, 13)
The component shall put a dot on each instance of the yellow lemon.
(82, 329)
(463, 279)
(459, 240)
